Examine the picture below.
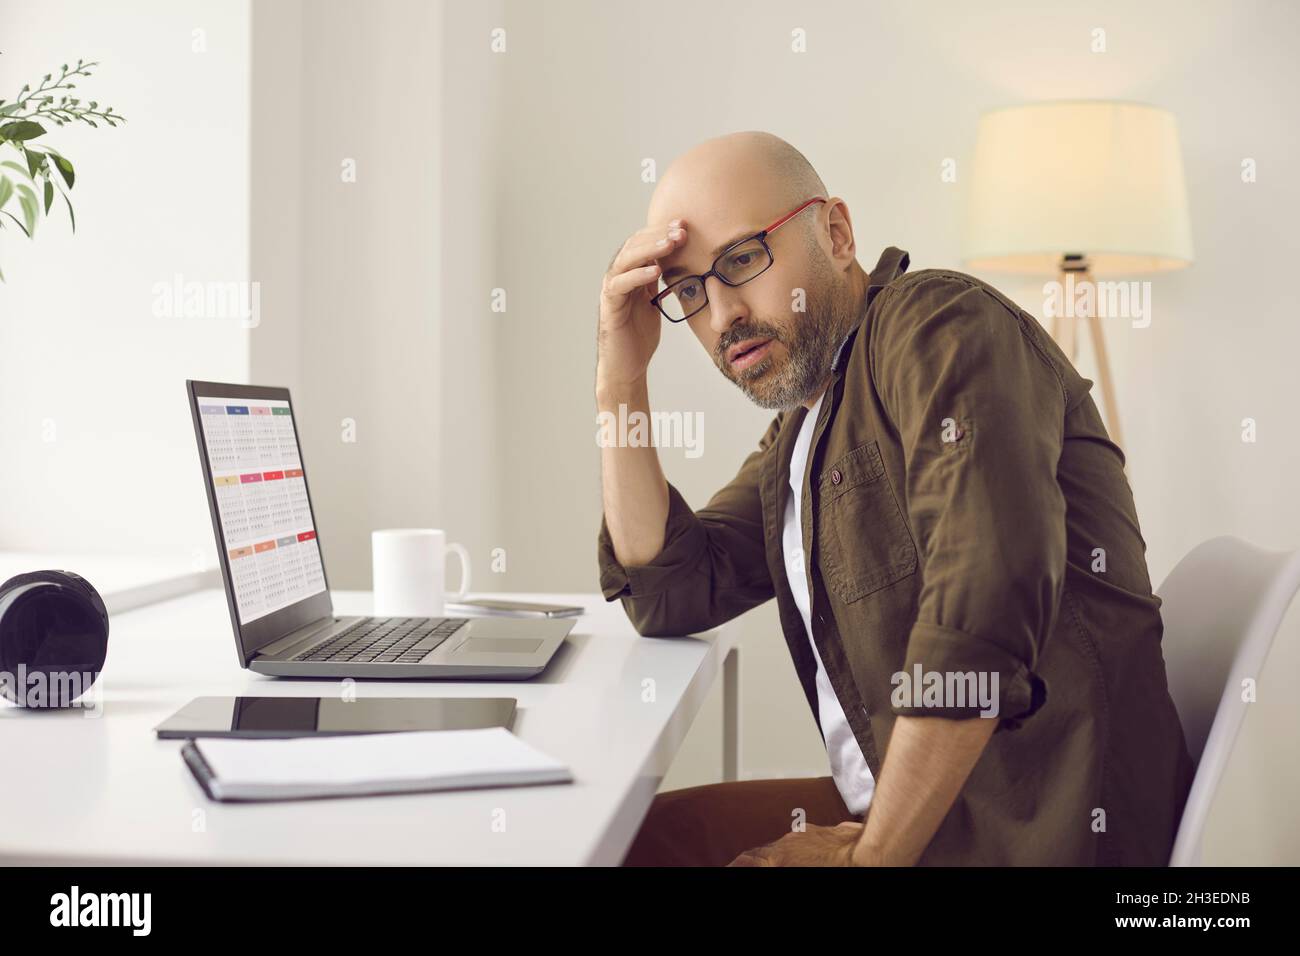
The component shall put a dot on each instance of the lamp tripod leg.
(1064, 326)
(1065, 329)
(1106, 381)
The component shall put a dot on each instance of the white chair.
(1223, 604)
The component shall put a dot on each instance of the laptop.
(274, 573)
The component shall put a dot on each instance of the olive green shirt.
(969, 516)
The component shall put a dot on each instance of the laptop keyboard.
(385, 640)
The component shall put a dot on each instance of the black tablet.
(327, 716)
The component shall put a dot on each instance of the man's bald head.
(735, 171)
(738, 179)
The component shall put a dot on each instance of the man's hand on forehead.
(664, 241)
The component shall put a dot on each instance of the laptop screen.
(257, 482)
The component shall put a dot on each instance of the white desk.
(104, 790)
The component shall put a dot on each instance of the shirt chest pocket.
(864, 541)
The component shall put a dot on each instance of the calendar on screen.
(261, 495)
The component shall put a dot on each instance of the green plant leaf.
(6, 189)
(10, 108)
(35, 160)
(15, 219)
(65, 168)
(31, 208)
(21, 131)
(71, 215)
(14, 166)
(49, 196)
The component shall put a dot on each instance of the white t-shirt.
(848, 767)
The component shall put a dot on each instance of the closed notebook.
(360, 764)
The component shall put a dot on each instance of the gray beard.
(812, 343)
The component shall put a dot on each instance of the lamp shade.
(1097, 178)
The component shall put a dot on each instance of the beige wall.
(97, 450)
(378, 287)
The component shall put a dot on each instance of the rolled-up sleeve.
(712, 567)
(979, 405)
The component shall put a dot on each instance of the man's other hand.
(815, 846)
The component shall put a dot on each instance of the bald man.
(941, 517)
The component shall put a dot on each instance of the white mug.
(410, 566)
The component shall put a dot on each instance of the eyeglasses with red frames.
(740, 262)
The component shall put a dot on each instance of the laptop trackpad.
(500, 645)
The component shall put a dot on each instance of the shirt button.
(796, 556)
(836, 477)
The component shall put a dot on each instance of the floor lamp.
(1084, 191)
